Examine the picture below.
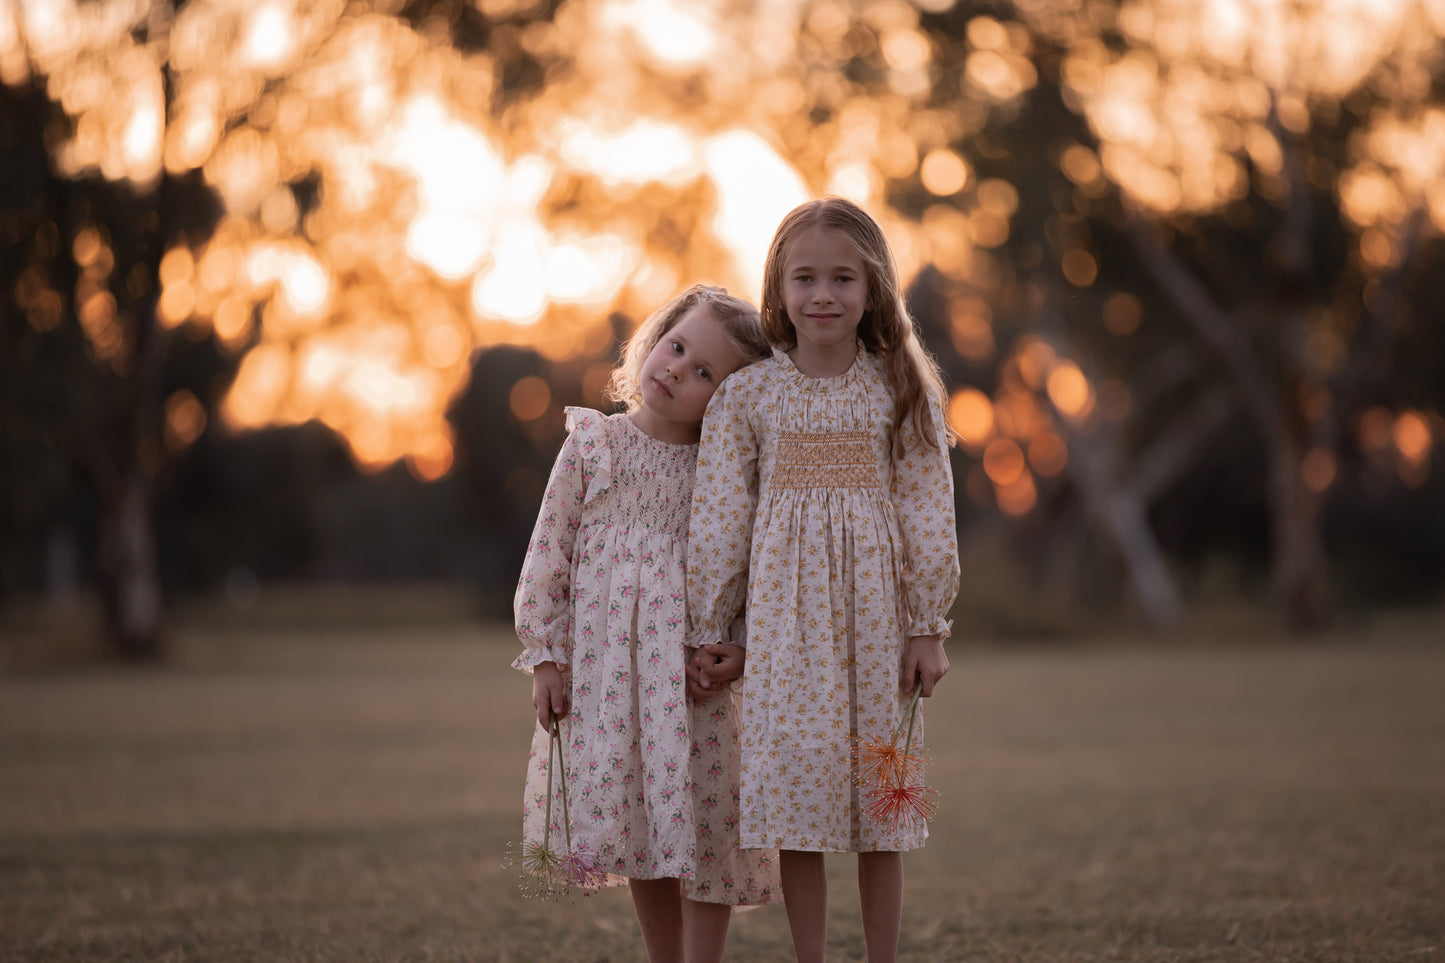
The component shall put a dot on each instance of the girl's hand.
(712, 667)
(924, 660)
(549, 693)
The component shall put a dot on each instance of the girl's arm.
(923, 498)
(723, 500)
(542, 605)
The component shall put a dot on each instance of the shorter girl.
(824, 501)
(652, 777)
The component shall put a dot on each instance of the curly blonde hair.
(886, 329)
(740, 320)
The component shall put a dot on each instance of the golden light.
(971, 328)
(646, 151)
(529, 398)
(945, 238)
(1070, 392)
(674, 34)
(177, 301)
(970, 414)
(14, 66)
(1122, 313)
(1035, 358)
(97, 319)
(432, 457)
(1018, 415)
(1411, 435)
(514, 287)
(1048, 455)
(185, 419)
(943, 172)
(392, 209)
(986, 33)
(1079, 267)
(756, 187)
(1375, 430)
(1018, 497)
(87, 246)
(1003, 460)
(1318, 469)
(444, 345)
(906, 49)
(1080, 165)
(998, 197)
(269, 40)
(260, 383)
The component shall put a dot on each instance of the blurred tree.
(1274, 168)
(84, 360)
(425, 225)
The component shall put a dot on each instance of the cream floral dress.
(841, 554)
(652, 779)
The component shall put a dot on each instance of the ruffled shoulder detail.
(590, 429)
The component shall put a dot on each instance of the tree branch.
(1214, 326)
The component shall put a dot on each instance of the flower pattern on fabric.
(652, 778)
(838, 564)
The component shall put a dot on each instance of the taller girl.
(824, 503)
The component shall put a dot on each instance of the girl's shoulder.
(586, 420)
(758, 374)
(590, 430)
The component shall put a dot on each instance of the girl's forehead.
(816, 245)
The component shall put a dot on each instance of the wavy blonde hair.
(886, 329)
(740, 320)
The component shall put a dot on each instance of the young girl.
(651, 775)
(824, 501)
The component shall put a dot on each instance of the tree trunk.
(128, 568)
(1300, 568)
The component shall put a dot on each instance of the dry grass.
(279, 794)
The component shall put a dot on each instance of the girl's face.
(681, 373)
(825, 288)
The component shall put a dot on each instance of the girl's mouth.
(662, 387)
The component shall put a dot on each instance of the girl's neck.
(663, 429)
(824, 361)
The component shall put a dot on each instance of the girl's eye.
(704, 374)
(677, 347)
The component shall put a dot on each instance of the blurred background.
(292, 292)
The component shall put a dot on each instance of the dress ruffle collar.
(807, 382)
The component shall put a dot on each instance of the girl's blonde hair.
(886, 329)
(739, 319)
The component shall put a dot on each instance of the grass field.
(283, 793)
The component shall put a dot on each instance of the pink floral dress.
(841, 553)
(652, 779)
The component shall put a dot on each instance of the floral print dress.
(840, 553)
(652, 779)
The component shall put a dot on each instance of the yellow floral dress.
(840, 553)
(652, 776)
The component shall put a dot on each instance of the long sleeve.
(724, 498)
(542, 606)
(923, 499)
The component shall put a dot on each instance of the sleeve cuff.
(531, 658)
(940, 626)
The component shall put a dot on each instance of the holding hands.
(712, 667)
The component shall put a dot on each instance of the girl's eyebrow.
(795, 268)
